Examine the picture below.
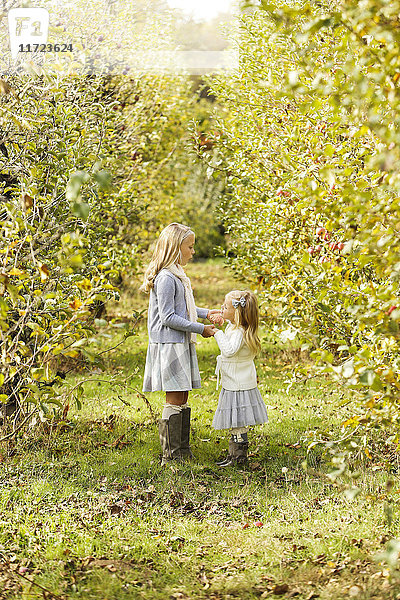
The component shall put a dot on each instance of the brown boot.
(185, 434)
(237, 453)
(228, 457)
(170, 432)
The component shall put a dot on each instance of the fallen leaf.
(280, 589)
(259, 524)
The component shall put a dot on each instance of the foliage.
(309, 146)
(91, 165)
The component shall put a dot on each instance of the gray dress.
(171, 367)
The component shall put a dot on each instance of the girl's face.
(227, 310)
(187, 249)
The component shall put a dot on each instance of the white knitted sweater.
(235, 364)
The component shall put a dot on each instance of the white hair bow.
(242, 302)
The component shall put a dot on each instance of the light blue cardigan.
(167, 317)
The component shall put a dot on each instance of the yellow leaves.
(9, 248)
(390, 376)
(352, 422)
(85, 284)
(357, 133)
(396, 77)
(38, 374)
(75, 304)
(36, 329)
(17, 272)
(71, 353)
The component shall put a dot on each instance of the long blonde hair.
(166, 252)
(248, 317)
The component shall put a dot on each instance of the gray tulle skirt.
(239, 409)
(171, 367)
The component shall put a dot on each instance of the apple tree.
(309, 146)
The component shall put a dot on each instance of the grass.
(87, 512)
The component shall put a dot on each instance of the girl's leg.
(239, 434)
(176, 398)
(173, 403)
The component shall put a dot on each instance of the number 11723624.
(45, 48)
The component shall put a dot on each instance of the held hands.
(209, 331)
(215, 316)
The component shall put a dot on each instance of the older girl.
(171, 362)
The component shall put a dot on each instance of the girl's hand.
(209, 331)
(215, 316)
(218, 319)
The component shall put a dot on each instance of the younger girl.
(171, 362)
(240, 403)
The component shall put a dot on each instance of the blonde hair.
(248, 317)
(166, 253)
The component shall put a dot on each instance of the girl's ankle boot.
(222, 460)
(228, 458)
(237, 452)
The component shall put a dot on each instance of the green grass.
(87, 512)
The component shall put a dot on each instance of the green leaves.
(311, 135)
(81, 210)
(103, 179)
(73, 194)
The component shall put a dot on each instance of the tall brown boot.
(185, 433)
(170, 432)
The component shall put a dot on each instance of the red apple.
(320, 231)
(391, 309)
(340, 246)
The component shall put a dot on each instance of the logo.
(27, 26)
